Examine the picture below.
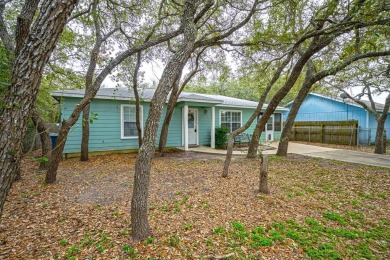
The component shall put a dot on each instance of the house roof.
(147, 94)
(379, 107)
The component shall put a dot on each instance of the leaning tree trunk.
(137, 101)
(56, 156)
(380, 137)
(168, 116)
(232, 135)
(26, 78)
(44, 135)
(91, 89)
(302, 94)
(84, 149)
(85, 135)
(315, 46)
(139, 203)
(172, 103)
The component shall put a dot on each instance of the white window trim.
(224, 110)
(141, 111)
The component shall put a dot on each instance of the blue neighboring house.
(193, 122)
(317, 107)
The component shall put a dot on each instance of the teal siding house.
(193, 122)
(318, 107)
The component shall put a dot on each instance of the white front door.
(192, 126)
(269, 129)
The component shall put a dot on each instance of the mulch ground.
(85, 215)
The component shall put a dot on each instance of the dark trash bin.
(53, 137)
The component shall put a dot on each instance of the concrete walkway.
(314, 151)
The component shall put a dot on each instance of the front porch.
(267, 148)
(191, 125)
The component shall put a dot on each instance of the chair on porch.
(242, 138)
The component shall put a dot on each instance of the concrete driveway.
(336, 154)
(314, 151)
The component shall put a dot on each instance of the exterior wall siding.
(316, 108)
(105, 131)
(246, 114)
(174, 133)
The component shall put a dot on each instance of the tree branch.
(137, 101)
(5, 36)
(193, 72)
(202, 12)
(96, 47)
(81, 13)
(231, 30)
(24, 22)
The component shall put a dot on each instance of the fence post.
(322, 133)
(356, 133)
(295, 132)
(309, 134)
(369, 136)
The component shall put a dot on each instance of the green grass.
(64, 242)
(129, 250)
(174, 241)
(150, 240)
(335, 217)
(188, 226)
(100, 245)
(219, 230)
(333, 236)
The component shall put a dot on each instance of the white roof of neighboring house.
(379, 107)
(147, 94)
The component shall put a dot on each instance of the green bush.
(221, 137)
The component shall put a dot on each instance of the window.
(278, 122)
(231, 120)
(128, 122)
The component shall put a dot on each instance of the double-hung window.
(231, 119)
(128, 122)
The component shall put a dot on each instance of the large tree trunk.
(85, 136)
(302, 94)
(139, 202)
(26, 78)
(44, 135)
(380, 137)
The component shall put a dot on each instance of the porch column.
(185, 122)
(212, 141)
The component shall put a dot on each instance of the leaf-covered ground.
(317, 209)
